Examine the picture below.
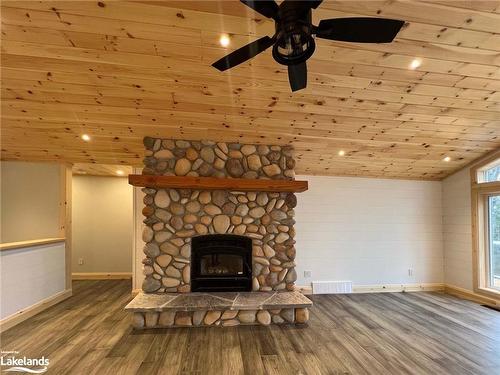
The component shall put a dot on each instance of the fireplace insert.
(221, 263)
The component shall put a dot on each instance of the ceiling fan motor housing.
(294, 40)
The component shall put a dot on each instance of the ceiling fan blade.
(315, 3)
(304, 5)
(297, 75)
(244, 53)
(359, 29)
(307, 4)
(267, 8)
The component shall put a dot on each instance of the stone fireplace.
(210, 240)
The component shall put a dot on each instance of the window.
(486, 226)
(493, 242)
(489, 173)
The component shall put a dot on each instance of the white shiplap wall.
(457, 229)
(369, 231)
(30, 275)
(366, 230)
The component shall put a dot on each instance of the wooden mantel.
(212, 183)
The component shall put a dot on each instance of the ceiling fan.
(293, 41)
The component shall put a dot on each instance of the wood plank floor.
(390, 333)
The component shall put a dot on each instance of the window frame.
(489, 266)
(480, 193)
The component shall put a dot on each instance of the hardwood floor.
(400, 333)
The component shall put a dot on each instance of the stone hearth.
(218, 309)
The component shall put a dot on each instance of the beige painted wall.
(102, 224)
(457, 229)
(30, 194)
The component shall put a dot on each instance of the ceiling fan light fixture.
(294, 49)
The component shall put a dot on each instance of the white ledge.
(29, 243)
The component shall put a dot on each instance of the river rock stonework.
(174, 216)
(223, 318)
(169, 157)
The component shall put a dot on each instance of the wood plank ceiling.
(121, 70)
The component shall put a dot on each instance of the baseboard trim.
(395, 288)
(470, 295)
(101, 275)
(20, 316)
(385, 288)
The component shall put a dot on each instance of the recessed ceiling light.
(341, 153)
(415, 64)
(447, 159)
(119, 172)
(224, 40)
(86, 137)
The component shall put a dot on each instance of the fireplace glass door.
(221, 263)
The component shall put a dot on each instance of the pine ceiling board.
(96, 41)
(120, 71)
(414, 31)
(139, 30)
(117, 83)
(129, 13)
(244, 71)
(394, 61)
(417, 133)
(421, 11)
(220, 115)
(306, 105)
(382, 148)
(397, 137)
(148, 95)
(481, 5)
(208, 55)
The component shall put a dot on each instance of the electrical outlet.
(80, 261)
(307, 273)
(410, 272)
